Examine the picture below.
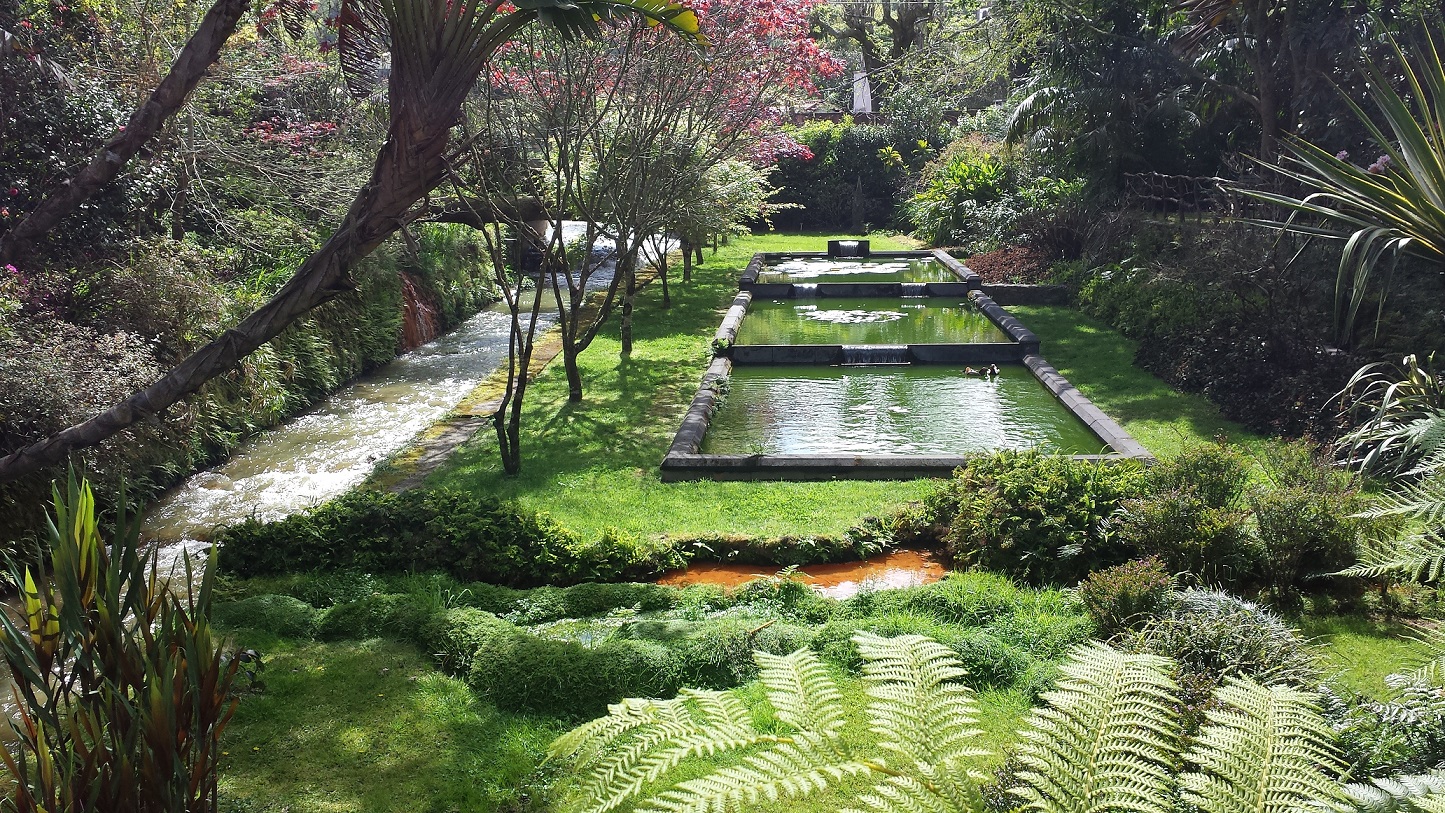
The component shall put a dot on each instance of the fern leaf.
(905, 794)
(796, 767)
(923, 714)
(1397, 794)
(1107, 737)
(1420, 557)
(1423, 499)
(802, 692)
(1267, 751)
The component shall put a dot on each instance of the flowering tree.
(626, 129)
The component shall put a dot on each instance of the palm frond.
(1395, 206)
(1106, 738)
(1266, 751)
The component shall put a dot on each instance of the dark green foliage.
(583, 600)
(282, 615)
(1214, 634)
(1033, 516)
(1215, 473)
(468, 536)
(1125, 596)
(459, 633)
(522, 672)
(1212, 544)
(845, 184)
(1305, 533)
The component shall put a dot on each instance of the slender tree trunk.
(190, 66)
(662, 273)
(686, 261)
(407, 167)
(508, 419)
(628, 266)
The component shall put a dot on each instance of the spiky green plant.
(122, 691)
(1397, 204)
(1106, 740)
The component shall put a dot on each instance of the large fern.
(1398, 794)
(1107, 738)
(1267, 750)
(920, 711)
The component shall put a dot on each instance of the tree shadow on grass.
(371, 726)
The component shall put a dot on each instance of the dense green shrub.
(458, 633)
(1213, 545)
(1216, 635)
(1404, 734)
(469, 536)
(1033, 516)
(522, 672)
(1124, 596)
(974, 598)
(281, 615)
(842, 183)
(1216, 473)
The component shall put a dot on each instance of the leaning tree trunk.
(407, 167)
(198, 54)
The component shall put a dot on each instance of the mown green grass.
(1358, 652)
(594, 465)
(372, 727)
(1100, 363)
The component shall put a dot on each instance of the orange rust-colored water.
(904, 568)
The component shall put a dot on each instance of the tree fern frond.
(1265, 752)
(802, 692)
(796, 767)
(1107, 737)
(1396, 794)
(1420, 557)
(641, 740)
(1423, 499)
(906, 794)
(920, 709)
(1429, 668)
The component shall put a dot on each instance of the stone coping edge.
(1007, 322)
(1123, 443)
(749, 276)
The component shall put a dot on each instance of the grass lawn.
(594, 465)
(372, 727)
(1100, 362)
(1359, 652)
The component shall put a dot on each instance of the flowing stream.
(335, 445)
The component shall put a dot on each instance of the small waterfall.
(915, 289)
(419, 322)
(805, 290)
(855, 354)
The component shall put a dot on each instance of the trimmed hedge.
(470, 537)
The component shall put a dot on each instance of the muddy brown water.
(903, 568)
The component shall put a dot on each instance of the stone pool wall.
(685, 461)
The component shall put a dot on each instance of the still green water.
(891, 320)
(828, 269)
(910, 409)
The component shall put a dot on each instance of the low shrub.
(470, 537)
(1214, 634)
(976, 598)
(279, 615)
(522, 672)
(1033, 516)
(459, 633)
(1214, 545)
(1215, 473)
(1124, 596)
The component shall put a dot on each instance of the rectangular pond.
(819, 269)
(903, 410)
(862, 321)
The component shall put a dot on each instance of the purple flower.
(12, 269)
(1381, 164)
(1342, 155)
